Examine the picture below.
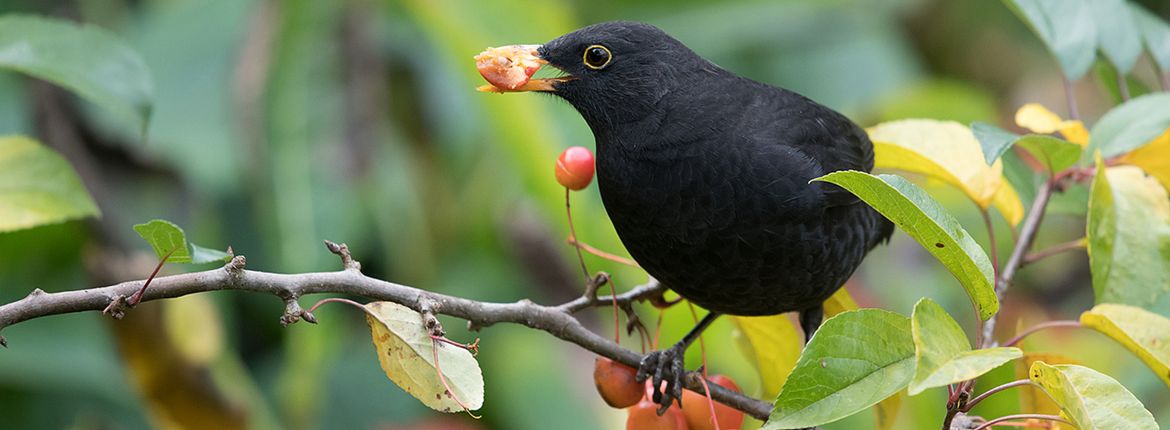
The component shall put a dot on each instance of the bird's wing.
(828, 138)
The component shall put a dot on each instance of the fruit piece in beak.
(510, 69)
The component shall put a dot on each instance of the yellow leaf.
(1075, 132)
(774, 344)
(947, 151)
(839, 302)
(1154, 158)
(193, 326)
(1145, 334)
(1038, 119)
(1032, 399)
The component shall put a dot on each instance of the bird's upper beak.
(510, 69)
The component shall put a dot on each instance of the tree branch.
(555, 320)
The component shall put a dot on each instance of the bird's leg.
(810, 320)
(668, 365)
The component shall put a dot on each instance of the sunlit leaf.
(945, 150)
(1055, 154)
(85, 59)
(1117, 33)
(38, 187)
(924, 219)
(855, 360)
(1066, 28)
(1154, 158)
(1131, 125)
(773, 344)
(166, 238)
(1142, 332)
(1155, 34)
(943, 354)
(1128, 235)
(1038, 119)
(406, 352)
(1092, 400)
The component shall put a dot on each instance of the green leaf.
(1066, 28)
(1144, 333)
(1117, 33)
(994, 140)
(1128, 233)
(1092, 400)
(85, 59)
(1056, 154)
(407, 355)
(1131, 125)
(942, 353)
(38, 187)
(167, 238)
(1155, 34)
(201, 255)
(854, 360)
(931, 225)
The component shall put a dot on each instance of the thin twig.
(573, 234)
(975, 401)
(555, 320)
(1041, 326)
(1030, 227)
(1071, 98)
(989, 423)
(1055, 249)
(608, 256)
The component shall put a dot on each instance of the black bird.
(705, 175)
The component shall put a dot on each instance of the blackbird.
(706, 177)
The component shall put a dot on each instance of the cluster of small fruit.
(617, 386)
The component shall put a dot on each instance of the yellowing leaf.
(406, 352)
(932, 226)
(1091, 399)
(1154, 158)
(1032, 399)
(1036, 117)
(1075, 132)
(193, 326)
(1142, 332)
(773, 343)
(1128, 233)
(839, 302)
(947, 151)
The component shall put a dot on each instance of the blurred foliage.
(278, 124)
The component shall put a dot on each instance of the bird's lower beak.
(510, 69)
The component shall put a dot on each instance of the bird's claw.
(665, 365)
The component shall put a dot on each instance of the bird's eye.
(597, 57)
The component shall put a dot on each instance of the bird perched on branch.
(705, 175)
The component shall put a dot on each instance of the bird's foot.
(665, 365)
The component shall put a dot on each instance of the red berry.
(575, 168)
(615, 382)
(644, 416)
(698, 413)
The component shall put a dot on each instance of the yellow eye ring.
(596, 57)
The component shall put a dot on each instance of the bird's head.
(616, 71)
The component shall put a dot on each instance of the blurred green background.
(278, 124)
